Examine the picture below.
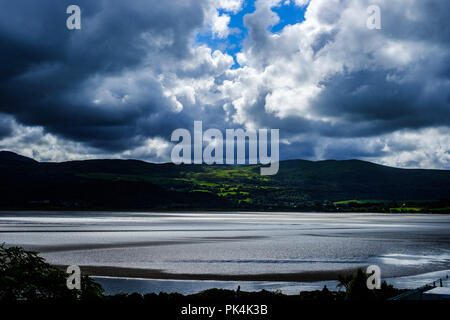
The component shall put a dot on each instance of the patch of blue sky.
(289, 14)
(238, 32)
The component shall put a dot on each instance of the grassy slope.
(139, 185)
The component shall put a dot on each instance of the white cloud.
(426, 148)
(328, 82)
(220, 25)
(34, 142)
(233, 6)
(302, 3)
(216, 20)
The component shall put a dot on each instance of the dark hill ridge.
(355, 179)
(139, 185)
(8, 156)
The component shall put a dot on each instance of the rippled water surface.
(235, 243)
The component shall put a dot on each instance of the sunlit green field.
(300, 185)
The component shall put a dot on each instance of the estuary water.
(234, 244)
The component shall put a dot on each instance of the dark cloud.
(378, 91)
(351, 150)
(6, 126)
(371, 104)
(421, 20)
(49, 74)
(134, 72)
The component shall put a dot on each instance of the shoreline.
(206, 211)
(137, 273)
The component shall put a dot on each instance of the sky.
(139, 69)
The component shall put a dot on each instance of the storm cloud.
(136, 71)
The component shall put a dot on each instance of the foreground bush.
(26, 276)
(356, 288)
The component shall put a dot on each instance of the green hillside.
(300, 185)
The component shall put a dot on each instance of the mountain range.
(300, 185)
